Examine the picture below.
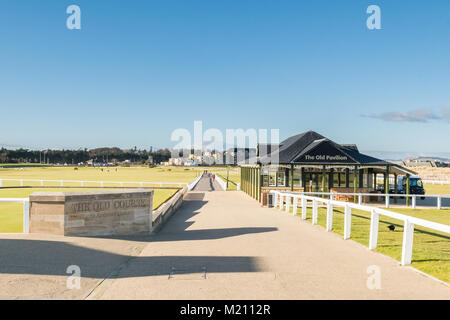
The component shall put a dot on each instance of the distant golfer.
(213, 177)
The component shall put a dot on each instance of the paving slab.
(34, 266)
(224, 245)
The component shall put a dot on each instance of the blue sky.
(139, 69)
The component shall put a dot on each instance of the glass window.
(272, 178)
(336, 179)
(342, 179)
(350, 179)
(281, 179)
(297, 178)
(265, 180)
(415, 182)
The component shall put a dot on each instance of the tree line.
(98, 155)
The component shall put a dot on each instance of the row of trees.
(77, 156)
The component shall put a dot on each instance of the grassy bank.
(158, 174)
(431, 250)
(233, 177)
(437, 189)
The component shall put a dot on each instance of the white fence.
(192, 185)
(425, 181)
(26, 210)
(79, 183)
(26, 201)
(222, 183)
(441, 182)
(283, 200)
(388, 197)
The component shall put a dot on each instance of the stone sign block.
(91, 213)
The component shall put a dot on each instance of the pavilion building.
(309, 162)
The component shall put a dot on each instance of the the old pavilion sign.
(323, 157)
(324, 151)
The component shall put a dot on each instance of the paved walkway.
(207, 184)
(219, 245)
(223, 245)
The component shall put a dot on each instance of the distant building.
(233, 156)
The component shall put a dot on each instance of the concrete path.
(34, 266)
(223, 245)
(207, 184)
(219, 245)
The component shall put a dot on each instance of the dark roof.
(310, 148)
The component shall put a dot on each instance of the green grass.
(431, 249)
(133, 174)
(11, 213)
(234, 179)
(436, 189)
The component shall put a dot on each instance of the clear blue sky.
(137, 70)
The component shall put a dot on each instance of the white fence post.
(408, 237)
(347, 222)
(1, 183)
(414, 198)
(315, 212)
(304, 208)
(329, 216)
(374, 221)
(61, 183)
(26, 217)
(101, 184)
(439, 202)
(42, 183)
(82, 183)
(295, 205)
(288, 203)
(275, 199)
(281, 202)
(387, 201)
(360, 199)
(21, 183)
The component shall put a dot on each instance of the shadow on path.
(38, 257)
(42, 257)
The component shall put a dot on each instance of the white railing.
(192, 185)
(441, 182)
(222, 172)
(387, 197)
(283, 200)
(26, 210)
(26, 201)
(425, 181)
(222, 183)
(82, 183)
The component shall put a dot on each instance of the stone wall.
(167, 209)
(91, 213)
